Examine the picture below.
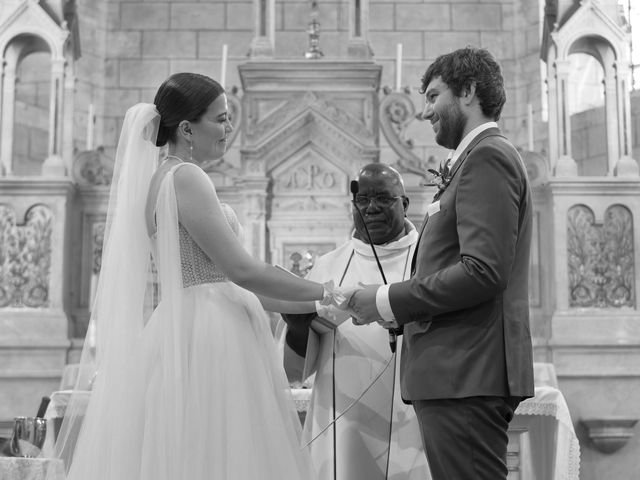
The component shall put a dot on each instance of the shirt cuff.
(382, 303)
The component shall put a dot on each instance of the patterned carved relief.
(396, 114)
(277, 117)
(601, 258)
(93, 167)
(285, 113)
(97, 241)
(310, 130)
(25, 257)
(308, 204)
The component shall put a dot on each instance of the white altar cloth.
(552, 448)
(14, 468)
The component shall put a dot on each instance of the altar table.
(543, 443)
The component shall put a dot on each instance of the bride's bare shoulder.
(192, 182)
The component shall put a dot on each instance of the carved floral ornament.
(25, 257)
(97, 240)
(93, 167)
(397, 112)
(600, 258)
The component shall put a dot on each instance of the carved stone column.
(67, 123)
(565, 165)
(625, 165)
(358, 45)
(263, 30)
(54, 164)
(8, 114)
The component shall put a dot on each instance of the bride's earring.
(190, 132)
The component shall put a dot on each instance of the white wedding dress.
(240, 421)
(209, 397)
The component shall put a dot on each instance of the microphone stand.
(393, 332)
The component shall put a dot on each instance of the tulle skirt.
(239, 418)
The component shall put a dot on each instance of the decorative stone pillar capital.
(566, 167)
(626, 167)
(54, 166)
(58, 66)
(562, 68)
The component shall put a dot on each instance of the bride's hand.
(337, 296)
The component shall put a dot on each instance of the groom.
(467, 355)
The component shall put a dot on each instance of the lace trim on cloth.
(33, 468)
(548, 401)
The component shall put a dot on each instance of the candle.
(530, 125)
(90, 121)
(399, 67)
(223, 68)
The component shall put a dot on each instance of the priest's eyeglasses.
(362, 201)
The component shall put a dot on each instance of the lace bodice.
(197, 267)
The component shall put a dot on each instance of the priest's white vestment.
(346, 361)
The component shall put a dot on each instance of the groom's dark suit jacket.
(465, 310)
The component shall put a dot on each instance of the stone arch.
(589, 29)
(27, 29)
(25, 56)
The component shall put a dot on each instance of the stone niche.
(309, 126)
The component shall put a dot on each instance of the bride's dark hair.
(183, 96)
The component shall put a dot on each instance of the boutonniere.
(441, 177)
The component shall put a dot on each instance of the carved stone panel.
(349, 113)
(25, 257)
(309, 174)
(600, 258)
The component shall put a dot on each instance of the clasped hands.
(359, 302)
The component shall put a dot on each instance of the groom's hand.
(362, 306)
(298, 330)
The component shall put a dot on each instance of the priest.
(357, 427)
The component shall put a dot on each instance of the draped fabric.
(102, 439)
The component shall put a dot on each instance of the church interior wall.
(129, 48)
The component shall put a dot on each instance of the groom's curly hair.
(183, 96)
(463, 67)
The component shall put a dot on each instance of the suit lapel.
(489, 132)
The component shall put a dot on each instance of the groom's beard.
(452, 123)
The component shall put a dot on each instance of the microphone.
(354, 191)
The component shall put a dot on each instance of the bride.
(197, 390)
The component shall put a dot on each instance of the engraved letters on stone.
(309, 176)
